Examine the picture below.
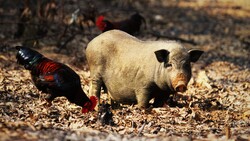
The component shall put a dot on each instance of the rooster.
(131, 25)
(54, 78)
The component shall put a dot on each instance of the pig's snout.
(180, 87)
(179, 83)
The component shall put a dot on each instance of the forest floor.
(216, 105)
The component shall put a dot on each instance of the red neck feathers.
(100, 24)
(89, 106)
(47, 65)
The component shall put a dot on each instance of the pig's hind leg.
(95, 87)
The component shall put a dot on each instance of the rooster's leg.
(50, 97)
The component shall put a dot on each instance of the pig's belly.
(122, 94)
(122, 83)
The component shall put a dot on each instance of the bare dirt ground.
(216, 105)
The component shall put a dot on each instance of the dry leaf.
(202, 80)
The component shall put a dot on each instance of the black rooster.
(54, 78)
(131, 25)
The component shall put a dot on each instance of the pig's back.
(111, 42)
(116, 42)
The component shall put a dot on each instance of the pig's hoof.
(172, 103)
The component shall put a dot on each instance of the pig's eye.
(168, 65)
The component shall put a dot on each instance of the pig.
(135, 71)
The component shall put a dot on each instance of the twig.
(158, 35)
(228, 131)
(67, 41)
(142, 128)
(63, 34)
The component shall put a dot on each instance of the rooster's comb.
(99, 23)
(89, 106)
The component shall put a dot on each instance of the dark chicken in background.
(54, 78)
(131, 25)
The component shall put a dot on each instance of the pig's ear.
(162, 55)
(195, 55)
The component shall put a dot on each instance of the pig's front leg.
(159, 100)
(143, 97)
